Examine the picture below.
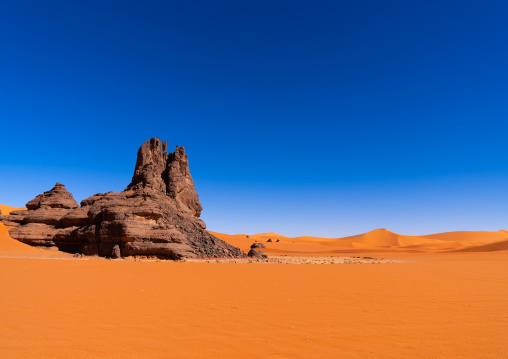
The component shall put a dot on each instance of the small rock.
(116, 254)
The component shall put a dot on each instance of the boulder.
(258, 245)
(257, 254)
(116, 254)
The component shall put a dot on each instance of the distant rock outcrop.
(258, 245)
(157, 215)
(257, 254)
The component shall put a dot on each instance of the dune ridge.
(491, 247)
(8, 209)
(477, 236)
(377, 240)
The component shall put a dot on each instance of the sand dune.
(379, 240)
(491, 247)
(8, 209)
(469, 236)
(9, 246)
(12, 248)
(384, 238)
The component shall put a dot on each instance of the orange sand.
(8, 209)
(442, 306)
(436, 305)
(12, 248)
(377, 241)
(9, 245)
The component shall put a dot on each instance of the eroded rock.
(157, 215)
(258, 245)
(257, 254)
(58, 197)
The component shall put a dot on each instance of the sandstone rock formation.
(157, 215)
(58, 197)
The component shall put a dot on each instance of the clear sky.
(327, 118)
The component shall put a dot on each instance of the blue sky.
(327, 118)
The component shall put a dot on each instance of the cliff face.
(156, 215)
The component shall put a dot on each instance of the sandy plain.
(439, 300)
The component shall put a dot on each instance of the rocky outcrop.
(258, 245)
(157, 215)
(257, 254)
(58, 198)
(166, 173)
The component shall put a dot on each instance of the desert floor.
(426, 305)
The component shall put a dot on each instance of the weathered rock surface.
(157, 215)
(258, 245)
(166, 173)
(58, 198)
(257, 254)
(116, 252)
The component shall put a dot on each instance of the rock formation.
(157, 215)
(257, 254)
(258, 245)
